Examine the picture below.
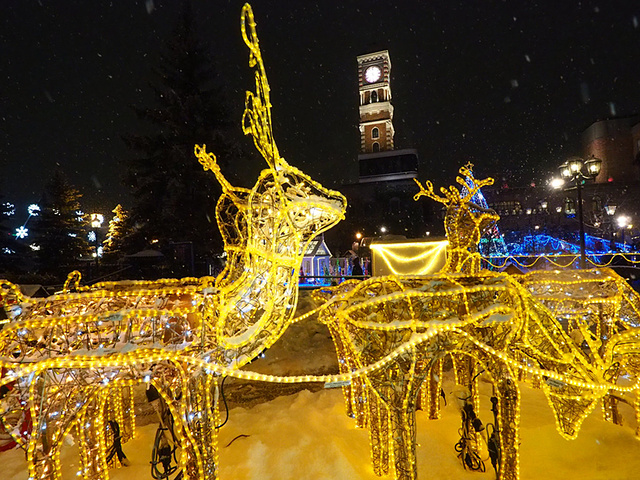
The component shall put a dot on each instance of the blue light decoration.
(542, 243)
(492, 241)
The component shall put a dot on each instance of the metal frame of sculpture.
(72, 358)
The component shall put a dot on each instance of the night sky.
(509, 85)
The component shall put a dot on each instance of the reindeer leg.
(92, 439)
(202, 421)
(429, 399)
(403, 424)
(45, 404)
(355, 394)
(398, 387)
(378, 423)
(43, 460)
(508, 423)
(610, 410)
(460, 369)
(636, 409)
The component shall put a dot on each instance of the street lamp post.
(572, 171)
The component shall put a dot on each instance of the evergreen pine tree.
(60, 230)
(114, 244)
(174, 198)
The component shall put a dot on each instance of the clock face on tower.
(372, 74)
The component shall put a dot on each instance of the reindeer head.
(465, 221)
(284, 202)
(266, 229)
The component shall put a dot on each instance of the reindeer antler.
(428, 192)
(470, 183)
(256, 119)
(208, 162)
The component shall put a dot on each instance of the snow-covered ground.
(308, 436)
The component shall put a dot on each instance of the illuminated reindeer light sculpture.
(465, 221)
(71, 358)
(399, 330)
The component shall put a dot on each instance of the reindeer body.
(601, 313)
(487, 321)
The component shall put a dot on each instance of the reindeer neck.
(258, 293)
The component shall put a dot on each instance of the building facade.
(376, 111)
(616, 142)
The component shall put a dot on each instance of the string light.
(419, 258)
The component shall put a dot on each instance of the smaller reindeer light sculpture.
(465, 221)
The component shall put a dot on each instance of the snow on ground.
(308, 436)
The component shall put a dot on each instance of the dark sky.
(509, 85)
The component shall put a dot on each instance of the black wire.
(476, 375)
(226, 407)
(116, 448)
(162, 455)
(469, 458)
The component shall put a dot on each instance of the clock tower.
(376, 111)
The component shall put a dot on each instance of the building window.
(375, 133)
(374, 96)
(376, 147)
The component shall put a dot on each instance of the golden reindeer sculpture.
(70, 357)
(465, 221)
(487, 322)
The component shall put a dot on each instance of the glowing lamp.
(557, 183)
(575, 165)
(593, 166)
(623, 221)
